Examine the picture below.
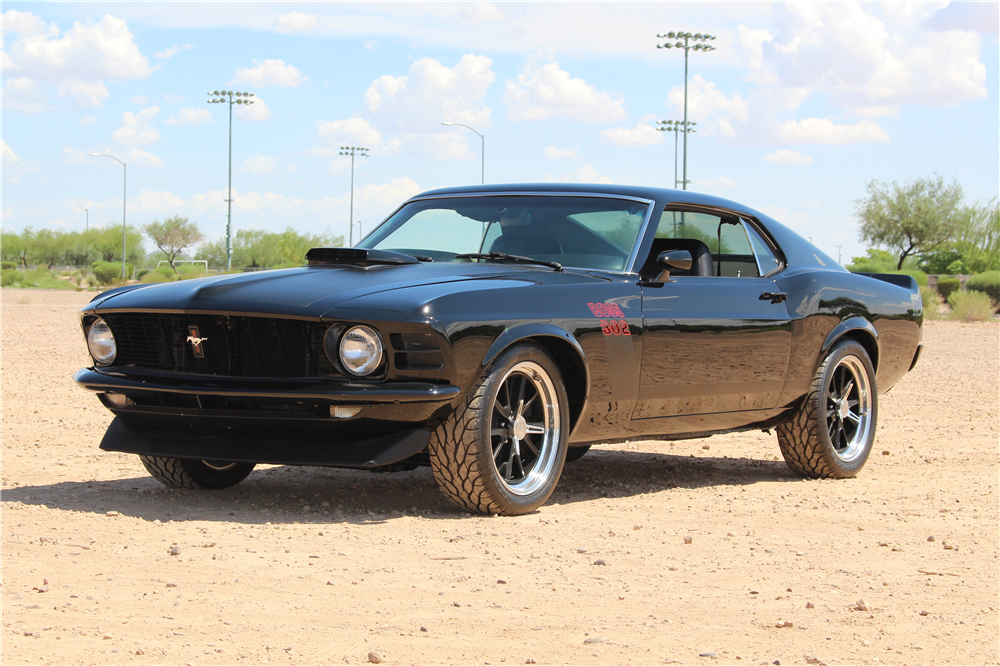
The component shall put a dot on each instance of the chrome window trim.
(630, 259)
(778, 254)
(746, 233)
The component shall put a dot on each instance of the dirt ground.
(697, 552)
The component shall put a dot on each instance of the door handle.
(774, 296)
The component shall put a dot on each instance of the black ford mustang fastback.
(496, 332)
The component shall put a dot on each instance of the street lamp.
(482, 152)
(87, 211)
(360, 152)
(124, 184)
(222, 97)
(839, 249)
(676, 126)
(698, 38)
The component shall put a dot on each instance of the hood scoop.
(348, 256)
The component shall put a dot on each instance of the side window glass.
(727, 242)
(766, 256)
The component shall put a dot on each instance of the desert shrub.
(139, 273)
(932, 303)
(153, 277)
(971, 306)
(106, 272)
(947, 285)
(987, 283)
(190, 272)
(5, 265)
(11, 277)
(167, 272)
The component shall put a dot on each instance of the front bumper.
(280, 421)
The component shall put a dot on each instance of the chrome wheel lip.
(849, 409)
(548, 443)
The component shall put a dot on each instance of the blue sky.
(797, 109)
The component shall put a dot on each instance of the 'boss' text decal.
(610, 327)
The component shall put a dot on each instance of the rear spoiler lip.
(898, 279)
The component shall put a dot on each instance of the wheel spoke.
(520, 396)
(499, 432)
(510, 461)
(536, 429)
(848, 388)
(854, 418)
(527, 442)
(496, 451)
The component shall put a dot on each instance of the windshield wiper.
(500, 256)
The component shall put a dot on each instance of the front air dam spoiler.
(365, 454)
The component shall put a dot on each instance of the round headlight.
(101, 342)
(360, 351)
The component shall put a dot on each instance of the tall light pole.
(482, 151)
(222, 97)
(839, 249)
(360, 152)
(676, 126)
(698, 38)
(124, 188)
(87, 211)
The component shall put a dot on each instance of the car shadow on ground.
(286, 494)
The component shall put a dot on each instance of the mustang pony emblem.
(196, 341)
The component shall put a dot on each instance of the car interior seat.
(527, 244)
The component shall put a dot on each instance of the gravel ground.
(696, 552)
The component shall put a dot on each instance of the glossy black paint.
(685, 358)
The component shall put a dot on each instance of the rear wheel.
(574, 453)
(832, 433)
(196, 474)
(502, 452)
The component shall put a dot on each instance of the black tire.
(476, 454)
(833, 430)
(196, 474)
(574, 453)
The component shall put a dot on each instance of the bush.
(153, 277)
(987, 283)
(917, 275)
(107, 272)
(932, 303)
(139, 273)
(947, 285)
(190, 272)
(167, 272)
(10, 277)
(971, 306)
(6, 265)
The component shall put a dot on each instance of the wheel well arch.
(564, 349)
(862, 332)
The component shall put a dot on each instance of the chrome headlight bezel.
(101, 342)
(360, 343)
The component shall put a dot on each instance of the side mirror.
(673, 259)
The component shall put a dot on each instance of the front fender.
(524, 331)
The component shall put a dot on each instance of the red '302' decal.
(614, 327)
(605, 310)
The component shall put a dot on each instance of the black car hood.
(306, 292)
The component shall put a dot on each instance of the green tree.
(14, 246)
(916, 217)
(173, 236)
(255, 248)
(108, 243)
(48, 247)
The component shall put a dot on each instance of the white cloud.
(88, 120)
(86, 94)
(715, 183)
(431, 93)
(86, 52)
(173, 99)
(136, 130)
(825, 131)
(350, 130)
(442, 146)
(24, 95)
(705, 101)
(387, 195)
(8, 156)
(786, 156)
(482, 12)
(293, 168)
(640, 135)
(161, 202)
(269, 73)
(138, 156)
(585, 174)
(553, 153)
(191, 116)
(259, 110)
(297, 22)
(971, 16)
(260, 165)
(543, 90)
(168, 53)
(139, 99)
(372, 46)
(72, 155)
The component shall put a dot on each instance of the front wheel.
(832, 433)
(502, 451)
(196, 474)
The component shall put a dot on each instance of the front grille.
(233, 346)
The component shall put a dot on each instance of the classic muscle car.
(495, 333)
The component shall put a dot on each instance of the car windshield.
(576, 231)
